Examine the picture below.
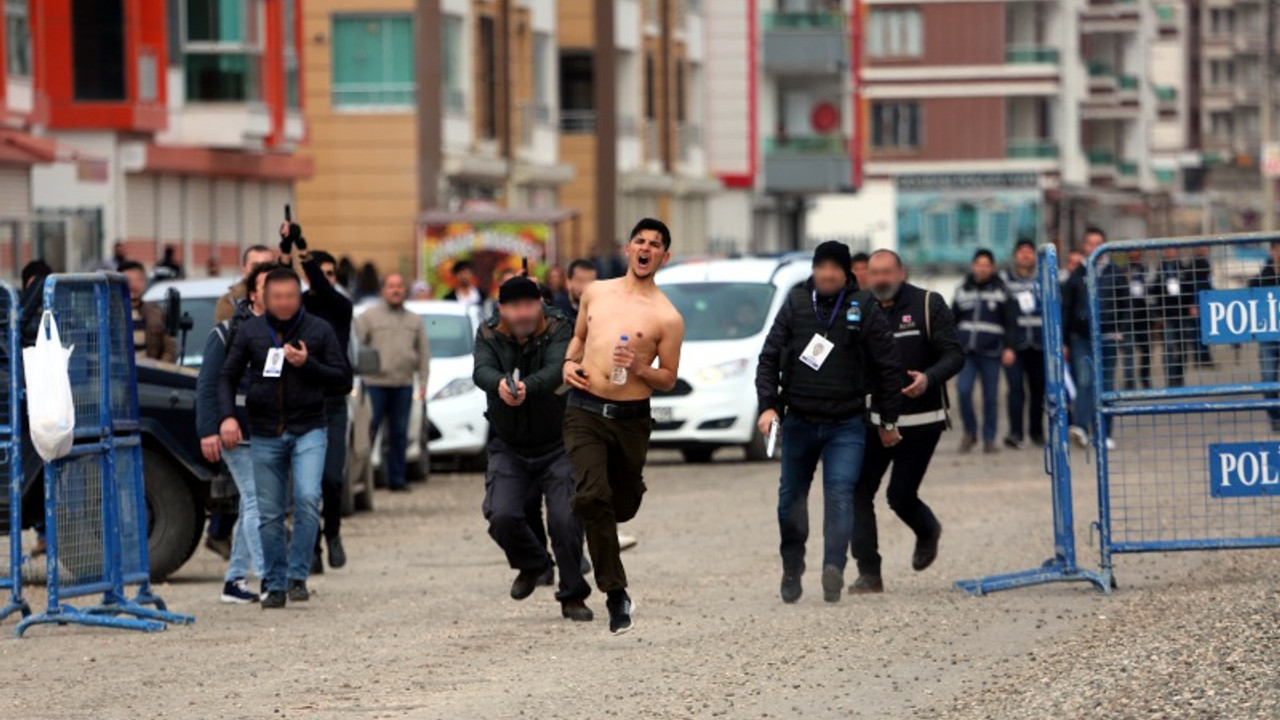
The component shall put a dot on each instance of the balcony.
(1030, 54)
(1031, 149)
(1127, 174)
(804, 43)
(577, 122)
(810, 164)
(1167, 16)
(1101, 158)
(1166, 94)
(1103, 16)
(1250, 41)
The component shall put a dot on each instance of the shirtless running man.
(606, 426)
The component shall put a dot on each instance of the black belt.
(632, 410)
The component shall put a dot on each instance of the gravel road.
(419, 624)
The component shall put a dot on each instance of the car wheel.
(420, 469)
(698, 455)
(363, 500)
(758, 449)
(175, 519)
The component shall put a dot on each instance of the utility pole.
(1265, 117)
(430, 65)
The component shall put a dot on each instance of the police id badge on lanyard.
(274, 366)
(819, 348)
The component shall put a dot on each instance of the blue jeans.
(273, 459)
(1082, 371)
(394, 405)
(1269, 353)
(988, 368)
(246, 543)
(840, 446)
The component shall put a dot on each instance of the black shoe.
(273, 600)
(620, 611)
(867, 585)
(577, 611)
(317, 563)
(263, 586)
(526, 582)
(791, 588)
(548, 577)
(298, 591)
(926, 550)
(585, 566)
(1037, 440)
(399, 489)
(989, 447)
(967, 442)
(337, 555)
(832, 583)
(1014, 443)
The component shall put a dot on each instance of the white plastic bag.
(51, 411)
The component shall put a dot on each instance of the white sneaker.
(626, 542)
(1079, 436)
(1111, 444)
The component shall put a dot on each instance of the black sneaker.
(867, 585)
(337, 555)
(1014, 443)
(548, 577)
(298, 591)
(620, 611)
(832, 583)
(967, 442)
(577, 611)
(585, 566)
(317, 562)
(526, 582)
(237, 592)
(274, 600)
(791, 589)
(263, 587)
(926, 550)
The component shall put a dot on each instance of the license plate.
(662, 414)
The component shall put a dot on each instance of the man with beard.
(519, 358)
(925, 333)
(623, 326)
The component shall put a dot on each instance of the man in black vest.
(827, 345)
(925, 333)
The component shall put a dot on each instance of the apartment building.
(448, 106)
(151, 123)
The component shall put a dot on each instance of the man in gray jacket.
(400, 337)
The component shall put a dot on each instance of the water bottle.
(619, 376)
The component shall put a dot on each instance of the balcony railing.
(806, 145)
(1101, 157)
(1166, 93)
(1127, 82)
(1099, 69)
(1127, 168)
(1031, 54)
(577, 122)
(1166, 14)
(1031, 149)
(803, 21)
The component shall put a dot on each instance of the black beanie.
(836, 252)
(518, 288)
(1023, 241)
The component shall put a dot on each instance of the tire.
(757, 449)
(420, 469)
(698, 455)
(175, 519)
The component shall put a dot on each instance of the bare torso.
(615, 309)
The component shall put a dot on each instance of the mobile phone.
(772, 442)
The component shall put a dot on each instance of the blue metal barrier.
(11, 452)
(1184, 453)
(1062, 566)
(95, 501)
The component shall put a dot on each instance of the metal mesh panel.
(77, 540)
(132, 506)
(124, 390)
(75, 307)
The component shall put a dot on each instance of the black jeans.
(608, 463)
(1026, 374)
(335, 467)
(910, 459)
(508, 480)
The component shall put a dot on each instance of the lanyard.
(835, 310)
(275, 339)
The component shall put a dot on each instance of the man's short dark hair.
(1094, 230)
(462, 265)
(652, 224)
(321, 257)
(244, 256)
(280, 274)
(128, 265)
(984, 253)
(885, 251)
(251, 280)
(36, 269)
(580, 264)
(860, 257)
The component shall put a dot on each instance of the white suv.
(728, 307)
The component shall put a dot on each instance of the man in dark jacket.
(293, 361)
(1201, 268)
(1077, 327)
(828, 345)
(1134, 312)
(925, 336)
(1172, 299)
(1023, 357)
(323, 300)
(1269, 351)
(519, 359)
(981, 309)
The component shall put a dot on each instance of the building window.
(17, 34)
(1221, 72)
(577, 92)
(223, 50)
(1222, 21)
(373, 62)
(894, 33)
(453, 83)
(1222, 125)
(292, 70)
(488, 79)
(98, 65)
(895, 125)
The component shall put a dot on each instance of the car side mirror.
(368, 362)
(173, 312)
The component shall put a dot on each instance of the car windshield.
(449, 335)
(721, 310)
(201, 311)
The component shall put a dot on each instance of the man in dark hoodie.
(981, 309)
(1269, 352)
(828, 346)
(293, 361)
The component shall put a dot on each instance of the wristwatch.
(889, 427)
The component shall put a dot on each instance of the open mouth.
(643, 260)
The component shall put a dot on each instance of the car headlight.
(456, 387)
(723, 371)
